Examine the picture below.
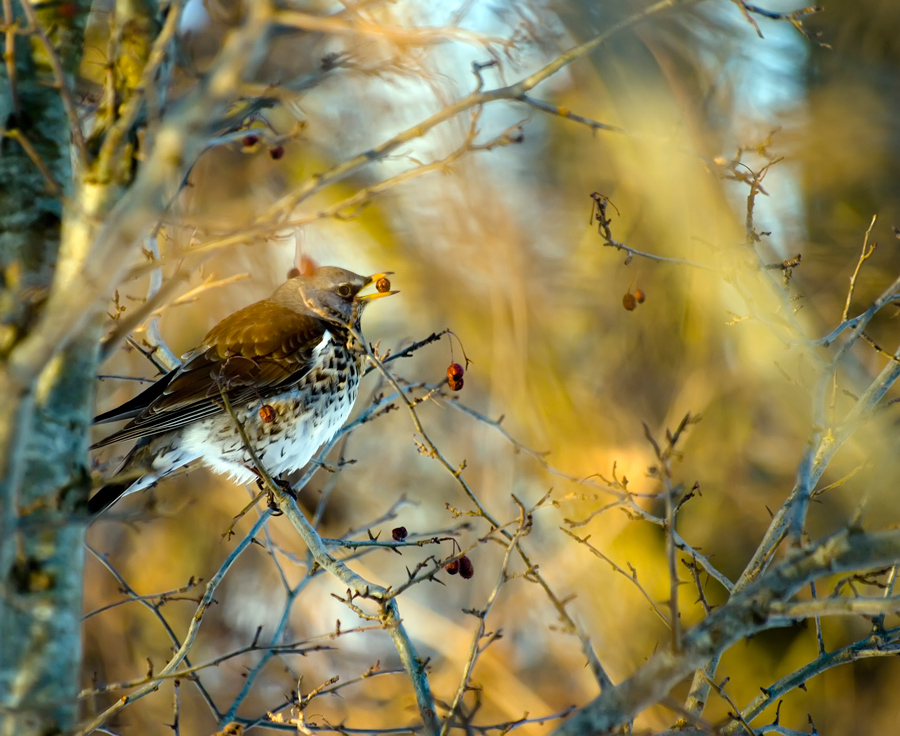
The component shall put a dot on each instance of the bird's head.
(331, 293)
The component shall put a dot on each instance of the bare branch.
(746, 612)
(188, 641)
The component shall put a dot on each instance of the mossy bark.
(50, 206)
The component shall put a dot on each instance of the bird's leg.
(271, 503)
(270, 497)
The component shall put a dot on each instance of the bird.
(289, 366)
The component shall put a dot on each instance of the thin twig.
(390, 617)
(735, 711)
(793, 17)
(632, 576)
(54, 188)
(866, 253)
(457, 473)
(744, 614)
(161, 350)
(287, 204)
(476, 647)
(884, 644)
(154, 608)
(62, 83)
(569, 115)
(191, 635)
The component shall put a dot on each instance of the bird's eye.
(344, 291)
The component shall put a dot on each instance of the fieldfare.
(290, 368)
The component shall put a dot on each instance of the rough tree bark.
(76, 198)
(51, 202)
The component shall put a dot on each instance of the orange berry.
(629, 301)
(382, 285)
(455, 384)
(455, 372)
(452, 567)
(267, 413)
(639, 296)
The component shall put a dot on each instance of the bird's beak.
(378, 294)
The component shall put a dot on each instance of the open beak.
(374, 278)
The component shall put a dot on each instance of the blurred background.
(500, 246)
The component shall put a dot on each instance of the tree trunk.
(47, 393)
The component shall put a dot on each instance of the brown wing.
(257, 351)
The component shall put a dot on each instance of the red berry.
(267, 413)
(629, 302)
(293, 273)
(250, 140)
(276, 152)
(455, 372)
(382, 285)
(452, 567)
(307, 266)
(639, 296)
(466, 568)
(455, 384)
(399, 533)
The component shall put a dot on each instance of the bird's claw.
(271, 502)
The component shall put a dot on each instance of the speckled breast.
(284, 429)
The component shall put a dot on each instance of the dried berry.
(639, 296)
(629, 302)
(455, 372)
(382, 285)
(293, 273)
(267, 413)
(250, 140)
(452, 567)
(276, 152)
(399, 533)
(466, 568)
(455, 384)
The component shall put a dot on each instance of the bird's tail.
(134, 474)
(107, 496)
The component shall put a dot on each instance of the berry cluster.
(250, 141)
(455, 376)
(630, 301)
(463, 566)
